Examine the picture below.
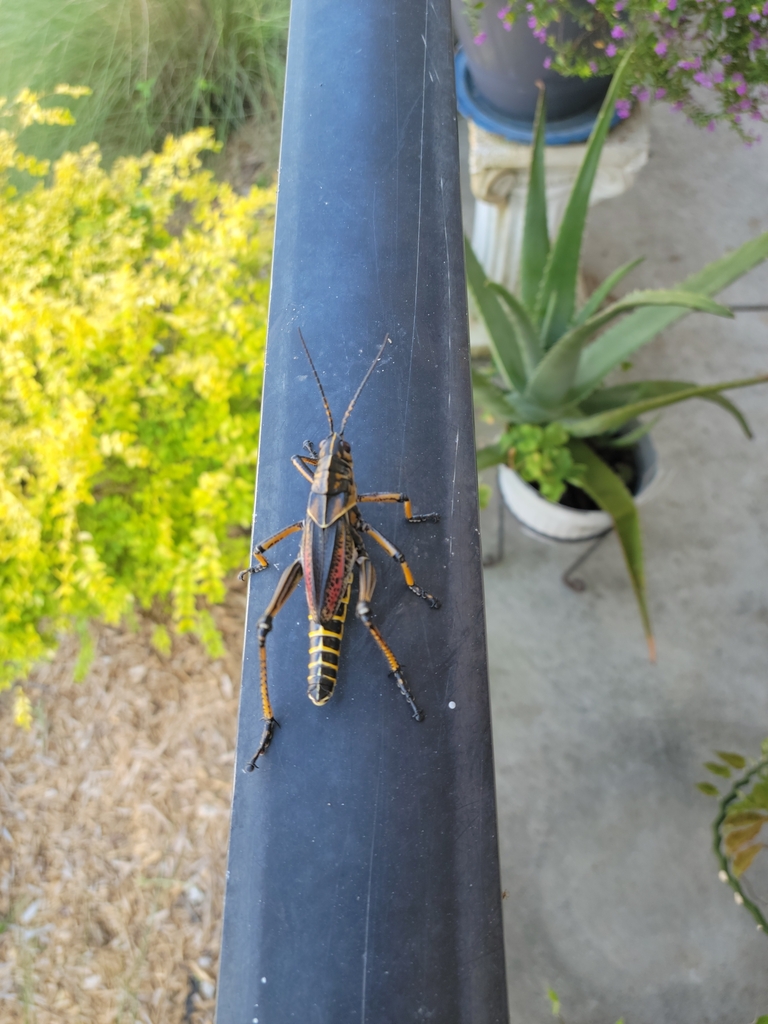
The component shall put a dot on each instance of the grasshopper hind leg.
(367, 583)
(286, 586)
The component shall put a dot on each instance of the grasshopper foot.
(417, 713)
(433, 602)
(266, 739)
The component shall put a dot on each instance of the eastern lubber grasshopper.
(331, 548)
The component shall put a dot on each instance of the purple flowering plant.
(708, 58)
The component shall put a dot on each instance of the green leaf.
(483, 495)
(708, 789)
(631, 438)
(591, 426)
(718, 769)
(505, 345)
(601, 293)
(736, 819)
(624, 394)
(489, 397)
(535, 249)
(618, 343)
(734, 760)
(86, 653)
(563, 264)
(555, 374)
(161, 640)
(489, 456)
(744, 858)
(554, 1002)
(610, 493)
(530, 348)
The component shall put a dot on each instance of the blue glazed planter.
(496, 81)
(475, 107)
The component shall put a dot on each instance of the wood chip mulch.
(114, 816)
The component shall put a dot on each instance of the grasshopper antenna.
(364, 381)
(325, 400)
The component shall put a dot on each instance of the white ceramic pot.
(558, 522)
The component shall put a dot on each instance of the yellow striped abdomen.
(324, 651)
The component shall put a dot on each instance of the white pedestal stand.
(498, 172)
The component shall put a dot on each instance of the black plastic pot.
(504, 69)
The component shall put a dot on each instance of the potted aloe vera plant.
(571, 439)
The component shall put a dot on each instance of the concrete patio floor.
(613, 895)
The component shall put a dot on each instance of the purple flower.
(690, 65)
(660, 94)
(504, 12)
(754, 15)
(480, 38)
(656, 16)
(623, 108)
(529, 7)
(532, 23)
(660, 49)
(643, 95)
(726, 58)
(703, 79)
(618, 7)
(737, 118)
(678, 105)
(541, 35)
(729, 12)
(610, 50)
(547, 62)
(671, 5)
(593, 67)
(717, 77)
(765, 9)
(507, 26)
(617, 32)
(711, 126)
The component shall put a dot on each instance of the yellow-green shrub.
(130, 380)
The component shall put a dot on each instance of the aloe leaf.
(489, 397)
(623, 394)
(553, 377)
(563, 265)
(530, 348)
(632, 436)
(535, 247)
(619, 342)
(601, 293)
(505, 346)
(612, 419)
(610, 493)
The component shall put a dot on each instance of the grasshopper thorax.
(333, 486)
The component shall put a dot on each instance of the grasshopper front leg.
(405, 501)
(399, 557)
(258, 551)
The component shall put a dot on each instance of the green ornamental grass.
(155, 67)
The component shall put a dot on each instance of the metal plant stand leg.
(575, 582)
(494, 559)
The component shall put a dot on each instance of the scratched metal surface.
(363, 880)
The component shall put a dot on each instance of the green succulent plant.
(551, 358)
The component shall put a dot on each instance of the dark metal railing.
(363, 881)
